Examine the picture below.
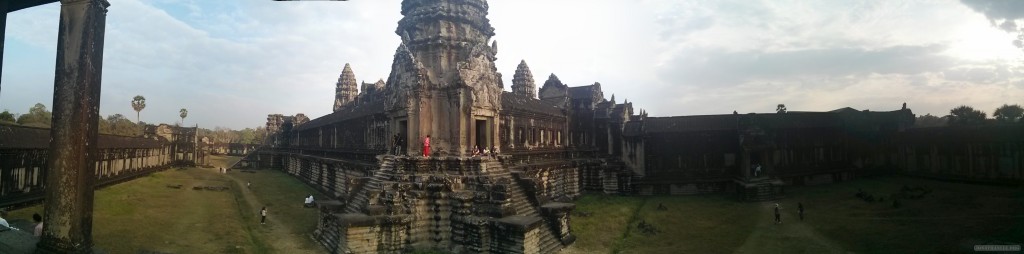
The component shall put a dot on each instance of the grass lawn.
(953, 217)
(145, 215)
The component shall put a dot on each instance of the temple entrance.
(757, 169)
(482, 134)
(403, 134)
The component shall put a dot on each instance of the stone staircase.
(761, 190)
(525, 206)
(365, 197)
(358, 202)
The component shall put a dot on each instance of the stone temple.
(556, 142)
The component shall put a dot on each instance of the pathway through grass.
(146, 215)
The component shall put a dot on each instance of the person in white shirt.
(3, 219)
(263, 215)
(39, 224)
(308, 202)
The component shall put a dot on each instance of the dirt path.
(278, 235)
(768, 235)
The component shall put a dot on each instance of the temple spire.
(347, 89)
(522, 81)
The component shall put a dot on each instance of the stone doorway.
(483, 133)
(403, 133)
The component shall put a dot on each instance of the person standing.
(263, 215)
(800, 210)
(39, 224)
(778, 217)
(426, 146)
(395, 145)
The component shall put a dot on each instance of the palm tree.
(183, 114)
(138, 103)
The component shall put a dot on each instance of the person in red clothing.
(426, 146)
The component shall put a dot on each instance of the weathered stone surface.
(300, 119)
(346, 89)
(74, 132)
(522, 81)
(443, 78)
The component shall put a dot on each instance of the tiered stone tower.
(347, 89)
(522, 81)
(443, 81)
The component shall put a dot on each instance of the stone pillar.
(3, 30)
(76, 101)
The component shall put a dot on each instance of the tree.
(781, 108)
(183, 113)
(929, 120)
(1009, 113)
(138, 104)
(37, 116)
(247, 136)
(6, 116)
(117, 124)
(966, 115)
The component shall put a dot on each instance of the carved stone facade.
(522, 81)
(389, 197)
(443, 82)
(346, 89)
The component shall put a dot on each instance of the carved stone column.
(76, 101)
(3, 29)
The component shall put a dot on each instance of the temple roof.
(512, 101)
(354, 110)
(689, 123)
(582, 92)
(23, 137)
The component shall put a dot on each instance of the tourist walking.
(426, 146)
(778, 217)
(263, 215)
(800, 210)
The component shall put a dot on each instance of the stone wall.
(24, 154)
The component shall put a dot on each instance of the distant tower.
(346, 90)
(522, 81)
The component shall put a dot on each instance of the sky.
(232, 62)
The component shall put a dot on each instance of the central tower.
(443, 81)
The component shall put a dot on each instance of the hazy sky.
(233, 62)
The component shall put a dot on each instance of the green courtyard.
(951, 217)
(147, 215)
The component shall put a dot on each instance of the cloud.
(715, 68)
(997, 9)
(1002, 14)
(233, 62)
